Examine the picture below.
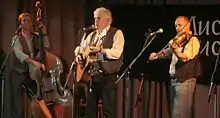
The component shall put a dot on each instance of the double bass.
(49, 89)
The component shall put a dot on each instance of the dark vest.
(23, 67)
(189, 69)
(111, 66)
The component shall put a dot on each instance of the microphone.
(91, 27)
(15, 37)
(156, 32)
(17, 31)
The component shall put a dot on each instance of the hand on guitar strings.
(95, 49)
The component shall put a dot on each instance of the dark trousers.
(102, 87)
(17, 91)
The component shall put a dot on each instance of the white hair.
(103, 12)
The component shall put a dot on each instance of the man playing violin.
(24, 51)
(107, 43)
(184, 67)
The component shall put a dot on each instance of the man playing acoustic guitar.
(105, 46)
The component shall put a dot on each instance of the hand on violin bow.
(153, 56)
(157, 55)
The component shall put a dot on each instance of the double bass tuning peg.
(39, 11)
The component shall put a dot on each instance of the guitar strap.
(92, 38)
(96, 41)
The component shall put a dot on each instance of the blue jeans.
(182, 96)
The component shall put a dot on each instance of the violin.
(179, 40)
(182, 39)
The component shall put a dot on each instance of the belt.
(94, 72)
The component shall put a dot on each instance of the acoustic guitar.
(82, 66)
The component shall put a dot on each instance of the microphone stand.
(138, 100)
(130, 65)
(127, 73)
(213, 87)
(3, 84)
(72, 70)
(126, 96)
(2, 73)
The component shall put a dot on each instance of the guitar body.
(81, 74)
(82, 68)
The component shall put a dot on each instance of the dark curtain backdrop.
(62, 18)
(65, 18)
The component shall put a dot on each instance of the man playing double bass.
(25, 49)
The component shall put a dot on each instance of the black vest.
(111, 66)
(189, 69)
(23, 67)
